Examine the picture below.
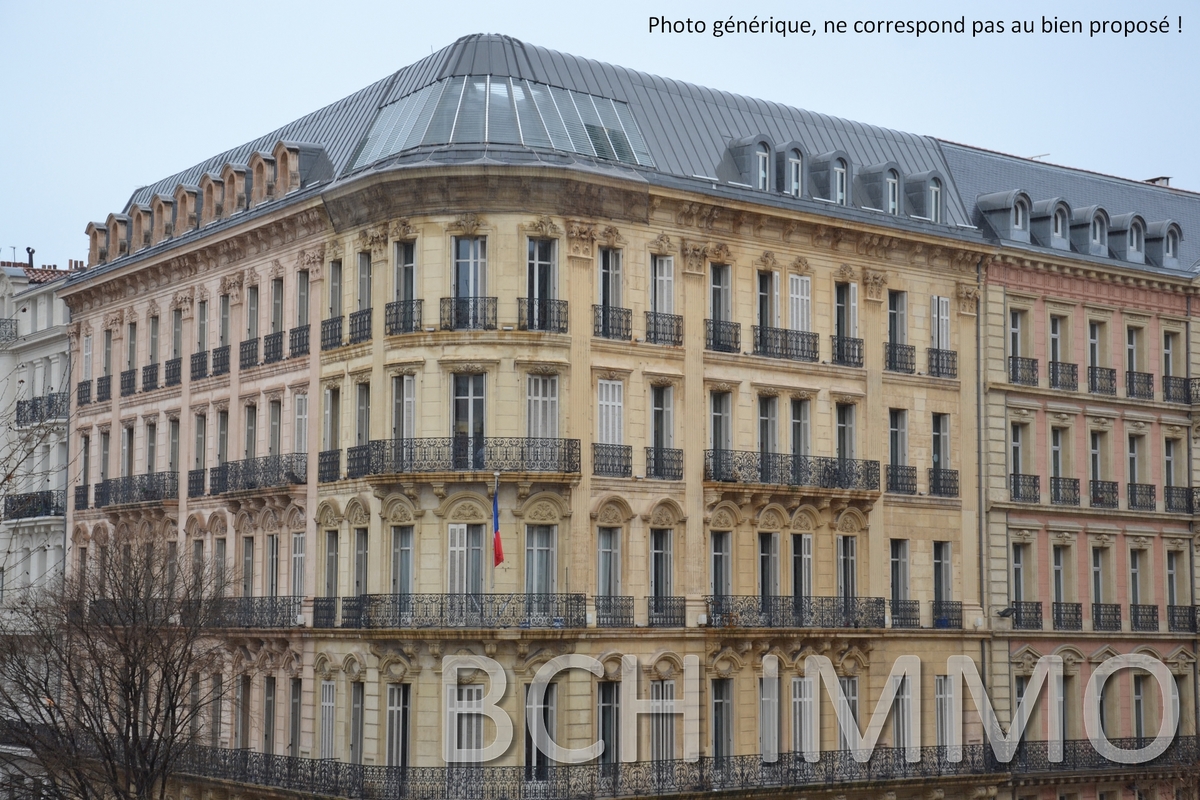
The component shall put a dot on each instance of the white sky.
(101, 98)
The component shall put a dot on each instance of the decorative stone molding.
(800, 266)
(232, 286)
(1099, 423)
(845, 398)
(152, 308)
(802, 394)
(844, 273)
(693, 257)
(610, 237)
(543, 227)
(202, 294)
(113, 321)
(173, 414)
(1100, 539)
(767, 260)
(968, 299)
(273, 395)
(402, 230)
(1023, 414)
(874, 281)
(333, 250)
(721, 386)
(467, 224)
(661, 246)
(376, 240)
(1063, 537)
(276, 269)
(544, 368)
(1025, 535)
(183, 300)
(1141, 542)
(768, 391)
(221, 405)
(404, 369)
(659, 379)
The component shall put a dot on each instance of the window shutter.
(301, 432)
(775, 311)
(854, 310)
(543, 406)
(611, 412)
(668, 416)
(769, 716)
(804, 729)
(297, 587)
(87, 358)
(327, 723)
(806, 562)
(409, 404)
(665, 285)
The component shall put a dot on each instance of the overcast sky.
(103, 98)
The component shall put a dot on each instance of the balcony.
(1103, 494)
(462, 454)
(1025, 488)
(901, 479)
(847, 351)
(612, 322)
(1181, 619)
(81, 497)
(666, 612)
(664, 463)
(1106, 616)
(53, 406)
(783, 343)
(1022, 371)
(942, 363)
(83, 393)
(248, 354)
(1143, 617)
(541, 314)
(1141, 496)
(153, 487)
(220, 360)
(947, 614)
(468, 313)
(754, 611)
(255, 612)
(1027, 615)
(906, 613)
(298, 341)
(612, 460)
(943, 482)
(722, 336)
(1064, 376)
(402, 316)
(1177, 499)
(1139, 385)
(360, 326)
(173, 371)
(329, 466)
(273, 348)
(1064, 491)
(331, 333)
(8, 331)
(200, 365)
(899, 358)
(195, 485)
(614, 611)
(485, 611)
(664, 329)
(1102, 380)
(1176, 390)
(36, 504)
(259, 473)
(128, 382)
(744, 466)
(1068, 616)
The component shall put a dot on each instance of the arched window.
(764, 163)
(1060, 223)
(839, 182)
(1099, 231)
(893, 192)
(935, 200)
(1020, 215)
(1137, 238)
(795, 173)
(1172, 244)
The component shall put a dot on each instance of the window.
(849, 688)
(251, 431)
(176, 336)
(104, 455)
(846, 310)
(331, 563)
(467, 422)
(1059, 560)
(151, 447)
(610, 277)
(332, 422)
(804, 728)
(662, 723)
(247, 566)
(297, 586)
(899, 564)
(662, 433)
(131, 358)
(537, 761)
(1057, 326)
(1017, 449)
(608, 719)
(897, 317)
(608, 562)
(795, 168)
(241, 734)
(1137, 239)
(470, 725)
(722, 718)
(108, 350)
(1139, 706)
(269, 715)
(941, 441)
(893, 192)
(943, 709)
(404, 407)
(300, 423)
(1099, 584)
(252, 312)
(1020, 216)
(943, 587)
(302, 289)
(1172, 244)
(357, 701)
(1057, 436)
(276, 305)
(722, 433)
(901, 712)
(769, 721)
(802, 561)
(845, 431)
(662, 284)
(1060, 223)
(541, 559)
(768, 565)
(361, 560)
(847, 567)
(610, 412)
(1018, 572)
(939, 323)
(661, 583)
(1170, 341)
(800, 302)
(399, 699)
(405, 277)
(897, 437)
(87, 357)
(768, 299)
(1095, 455)
(402, 559)
(328, 740)
(154, 340)
(763, 160)
(223, 320)
(275, 421)
(1095, 343)
(465, 559)
(1016, 325)
(1099, 231)
(362, 416)
(364, 281)
(126, 452)
(1133, 346)
(543, 406)
(768, 428)
(840, 185)
(1135, 447)
(721, 294)
(801, 427)
(222, 437)
(935, 201)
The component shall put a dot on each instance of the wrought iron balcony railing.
(248, 354)
(331, 333)
(745, 466)
(906, 613)
(402, 316)
(103, 388)
(847, 351)
(298, 341)
(8, 331)
(947, 614)
(1102, 380)
(1106, 616)
(150, 487)
(614, 611)
(329, 466)
(664, 329)
(149, 377)
(195, 484)
(1025, 488)
(255, 612)
(81, 497)
(36, 504)
(53, 406)
(462, 453)
(1181, 619)
(325, 612)
(220, 360)
(1064, 376)
(1177, 499)
(360, 326)
(273, 348)
(901, 479)
(1027, 615)
(128, 382)
(1067, 616)
(1143, 617)
(783, 343)
(664, 463)
(666, 612)
(943, 482)
(468, 313)
(1064, 491)
(1139, 385)
(200, 365)
(612, 322)
(1103, 494)
(265, 472)
(1022, 371)
(1176, 390)
(899, 357)
(173, 372)
(942, 363)
(487, 611)
(541, 314)
(753, 611)
(613, 460)
(83, 393)
(722, 336)
(1141, 496)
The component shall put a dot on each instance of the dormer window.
(764, 163)
(1060, 223)
(1099, 231)
(839, 182)
(1137, 238)
(1020, 216)
(935, 200)
(893, 192)
(795, 167)
(1172, 245)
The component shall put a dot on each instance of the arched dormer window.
(935, 200)
(763, 164)
(795, 172)
(1172, 245)
(1020, 216)
(838, 187)
(1137, 238)
(892, 197)
(1060, 223)
(1099, 231)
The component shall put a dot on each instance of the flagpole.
(495, 524)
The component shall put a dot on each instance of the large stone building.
(730, 373)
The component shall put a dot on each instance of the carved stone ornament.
(466, 224)
(610, 237)
(662, 517)
(1023, 535)
(402, 230)
(276, 269)
(848, 524)
(767, 260)
(845, 399)
(875, 281)
(152, 308)
(610, 515)
(232, 286)
(968, 299)
(468, 367)
(467, 511)
(1101, 539)
(113, 321)
(183, 301)
(544, 369)
(717, 251)
(661, 245)
(802, 394)
(273, 395)
(1063, 537)
(542, 227)
(1099, 423)
(580, 236)
(376, 239)
(722, 386)
(1137, 425)
(1141, 542)
(222, 404)
(722, 520)
(768, 391)
(844, 272)
(663, 380)
(1020, 413)
(771, 521)
(542, 512)
(800, 266)
(790, 228)
(693, 257)
(73, 335)
(333, 249)
(310, 258)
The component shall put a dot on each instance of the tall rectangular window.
(769, 720)
(1172, 578)
(847, 567)
(87, 357)
(802, 565)
(223, 317)
(801, 427)
(335, 289)
(154, 340)
(943, 708)
(721, 297)
(940, 444)
(541, 279)
(362, 415)
(898, 436)
(151, 447)
(1098, 583)
(899, 564)
(722, 718)
(1095, 455)
(470, 267)
(1171, 451)
(295, 697)
(1059, 577)
(897, 317)
(939, 323)
(275, 422)
(271, 570)
(405, 279)
(1136, 559)
(608, 562)
(768, 565)
(722, 432)
(1057, 327)
(176, 333)
(943, 586)
(768, 299)
(247, 566)
(662, 723)
(800, 302)
(608, 720)
(901, 712)
(1095, 343)
(131, 341)
(543, 406)
(610, 278)
(268, 721)
(661, 562)
(804, 727)
(251, 432)
(331, 428)
(610, 412)
(662, 284)
(850, 697)
(300, 423)
(768, 425)
(297, 587)
(357, 703)
(327, 730)
(1170, 346)
(1018, 573)
(662, 426)
(846, 310)
(402, 559)
(360, 561)
(331, 563)
(276, 305)
(537, 762)
(364, 281)
(404, 406)
(302, 291)
(222, 437)
(845, 431)
(399, 701)
(202, 326)
(722, 567)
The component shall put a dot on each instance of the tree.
(106, 672)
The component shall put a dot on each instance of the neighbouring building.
(733, 375)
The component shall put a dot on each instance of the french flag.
(497, 545)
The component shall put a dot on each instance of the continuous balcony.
(329, 466)
(1106, 616)
(1103, 494)
(745, 466)
(1176, 390)
(460, 610)
(1068, 616)
(81, 497)
(83, 393)
(612, 322)
(1143, 617)
(462, 454)
(48, 407)
(267, 472)
(248, 354)
(1022, 371)
(1064, 376)
(948, 614)
(1102, 380)
(273, 348)
(1141, 496)
(195, 484)
(614, 611)
(1024, 488)
(149, 377)
(664, 463)
(722, 336)
(942, 363)
(298, 341)
(1139, 385)
(906, 613)
(128, 382)
(331, 333)
(255, 612)
(899, 357)
(200, 365)
(783, 343)
(612, 460)
(754, 611)
(402, 316)
(220, 360)
(1177, 499)
(173, 371)
(103, 388)
(1027, 615)
(541, 314)
(666, 612)
(847, 351)
(36, 504)
(1181, 619)
(943, 482)
(468, 313)
(1064, 491)
(664, 329)
(152, 487)
(901, 479)
(360, 326)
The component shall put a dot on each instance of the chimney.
(30, 251)
(1161, 180)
